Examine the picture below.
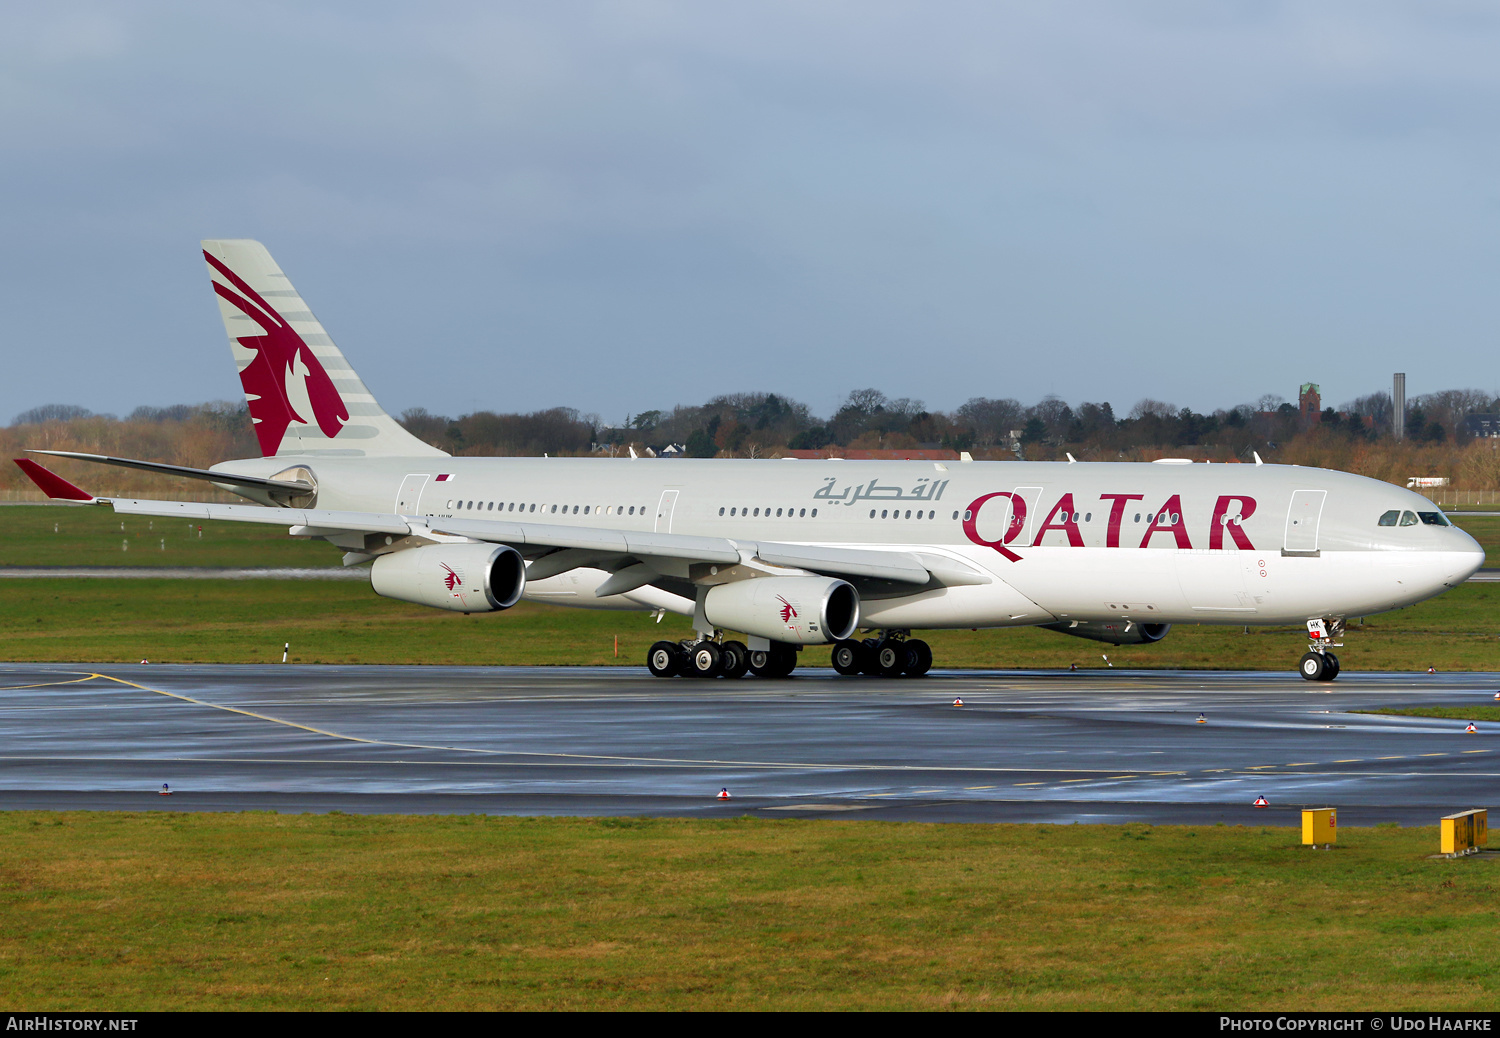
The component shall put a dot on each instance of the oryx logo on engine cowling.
(281, 357)
(788, 612)
(452, 580)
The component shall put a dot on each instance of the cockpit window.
(1432, 518)
(1408, 519)
(1389, 518)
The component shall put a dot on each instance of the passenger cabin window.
(1389, 518)
(1432, 519)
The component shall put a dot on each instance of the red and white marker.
(724, 793)
(1472, 729)
(1261, 801)
(958, 702)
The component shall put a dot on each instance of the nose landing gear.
(1319, 664)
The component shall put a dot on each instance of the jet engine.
(466, 578)
(798, 610)
(1116, 632)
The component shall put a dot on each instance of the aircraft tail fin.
(305, 399)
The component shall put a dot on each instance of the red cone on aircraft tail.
(724, 793)
(1261, 801)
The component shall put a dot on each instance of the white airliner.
(796, 553)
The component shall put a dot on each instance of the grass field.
(213, 911)
(1456, 713)
(115, 620)
(247, 621)
(53, 535)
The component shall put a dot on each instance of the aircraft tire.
(918, 659)
(848, 657)
(869, 664)
(890, 659)
(1333, 666)
(736, 659)
(784, 661)
(704, 660)
(664, 660)
(1312, 667)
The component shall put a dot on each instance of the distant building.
(1486, 425)
(1309, 404)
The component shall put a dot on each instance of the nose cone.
(1461, 559)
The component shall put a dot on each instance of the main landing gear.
(1319, 664)
(893, 654)
(708, 658)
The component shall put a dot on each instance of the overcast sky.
(622, 206)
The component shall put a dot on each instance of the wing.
(633, 558)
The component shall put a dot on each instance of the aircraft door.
(1303, 518)
(664, 509)
(1024, 515)
(410, 494)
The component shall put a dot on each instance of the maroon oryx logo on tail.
(788, 613)
(280, 355)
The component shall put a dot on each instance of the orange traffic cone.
(724, 793)
(1472, 729)
(958, 702)
(1261, 801)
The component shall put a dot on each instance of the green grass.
(151, 911)
(42, 535)
(1456, 713)
(246, 621)
(197, 621)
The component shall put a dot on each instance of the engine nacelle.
(1116, 632)
(466, 578)
(798, 610)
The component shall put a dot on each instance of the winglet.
(53, 485)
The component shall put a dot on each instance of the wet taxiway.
(1032, 746)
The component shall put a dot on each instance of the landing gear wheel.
(777, 662)
(890, 659)
(1313, 667)
(704, 660)
(848, 657)
(664, 660)
(868, 663)
(918, 658)
(1332, 662)
(736, 659)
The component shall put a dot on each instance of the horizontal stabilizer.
(51, 484)
(227, 478)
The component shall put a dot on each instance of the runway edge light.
(1261, 801)
(723, 794)
(1319, 825)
